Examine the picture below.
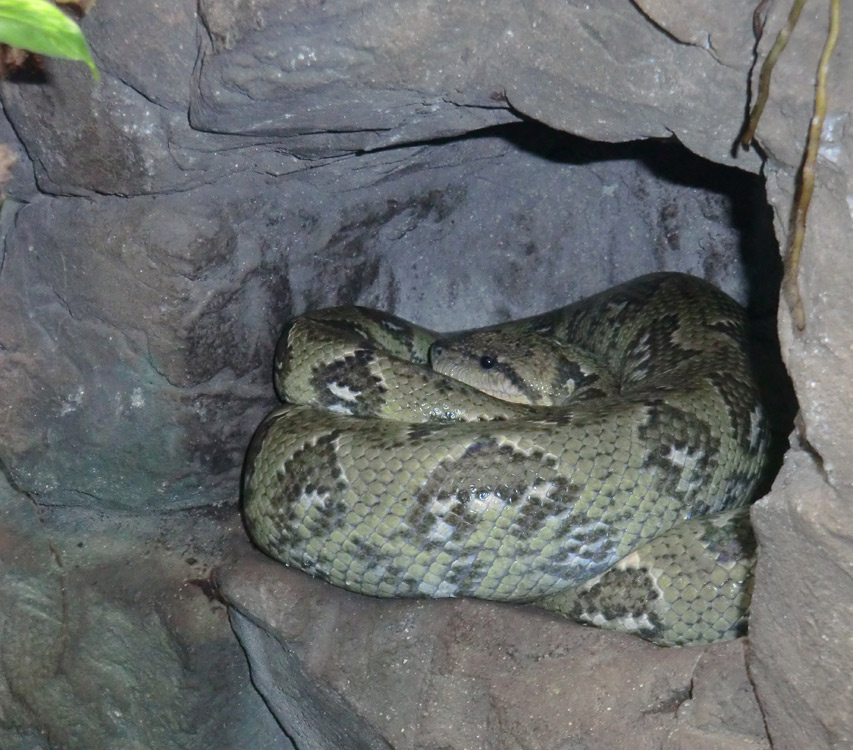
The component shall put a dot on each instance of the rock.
(804, 532)
(311, 716)
(803, 526)
(432, 70)
(241, 162)
(144, 326)
(111, 636)
(478, 674)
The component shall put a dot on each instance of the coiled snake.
(595, 460)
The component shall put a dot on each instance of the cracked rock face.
(241, 163)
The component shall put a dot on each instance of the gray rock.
(128, 134)
(312, 717)
(241, 162)
(803, 595)
(111, 637)
(803, 528)
(149, 322)
(374, 75)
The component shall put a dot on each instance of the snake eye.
(487, 362)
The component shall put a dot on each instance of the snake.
(596, 461)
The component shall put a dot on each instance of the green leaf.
(39, 26)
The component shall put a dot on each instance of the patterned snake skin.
(597, 460)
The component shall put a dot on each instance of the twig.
(767, 69)
(805, 184)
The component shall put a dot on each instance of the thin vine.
(767, 69)
(806, 175)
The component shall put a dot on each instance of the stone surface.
(802, 654)
(240, 162)
(805, 535)
(311, 716)
(379, 74)
(150, 324)
(478, 675)
(112, 638)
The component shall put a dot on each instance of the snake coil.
(596, 460)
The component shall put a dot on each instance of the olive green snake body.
(596, 460)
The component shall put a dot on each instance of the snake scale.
(596, 460)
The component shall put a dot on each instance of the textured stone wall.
(238, 163)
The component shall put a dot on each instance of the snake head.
(522, 368)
